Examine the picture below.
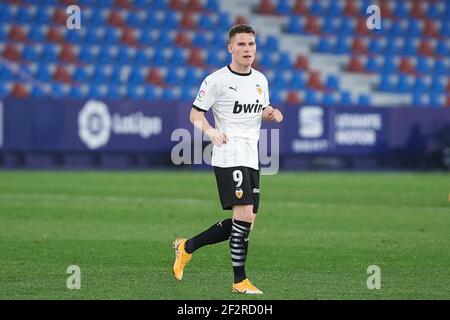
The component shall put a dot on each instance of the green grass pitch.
(315, 236)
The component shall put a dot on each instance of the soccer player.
(239, 98)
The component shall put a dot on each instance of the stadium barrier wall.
(65, 133)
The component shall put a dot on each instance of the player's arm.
(272, 114)
(199, 121)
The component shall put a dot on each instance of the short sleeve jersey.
(237, 101)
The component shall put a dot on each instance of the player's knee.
(243, 213)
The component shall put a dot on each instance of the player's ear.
(230, 48)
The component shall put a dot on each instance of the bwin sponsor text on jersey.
(247, 108)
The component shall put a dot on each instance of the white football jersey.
(237, 101)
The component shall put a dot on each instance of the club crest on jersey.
(259, 89)
(239, 193)
(247, 108)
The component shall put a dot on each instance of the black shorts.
(238, 186)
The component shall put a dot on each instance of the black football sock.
(215, 234)
(238, 247)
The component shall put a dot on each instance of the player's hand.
(218, 138)
(275, 115)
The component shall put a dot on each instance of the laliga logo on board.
(94, 124)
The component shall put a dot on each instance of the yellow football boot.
(245, 286)
(181, 257)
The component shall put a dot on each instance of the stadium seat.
(355, 65)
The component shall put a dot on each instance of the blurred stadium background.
(110, 94)
(315, 53)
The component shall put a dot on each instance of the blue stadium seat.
(417, 100)
(187, 94)
(30, 53)
(36, 34)
(297, 80)
(279, 81)
(402, 85)
(372, 65)
(158, 58)
(284, 62)
(295, 25)
(433, 11)
(136, 92)
(170, 20)
(419, 85)
(117, 75)
(328, 26)
(200, 40)
(76, 92)
(168, 95)
(38, 92)
(435, 100)
(219, 40)
(136, 76)
(177, 58)
(440, 68)
(99, 75)
(205, 22)
(87, 55)
(23, 15)
(224, 21)
(409, 48)
(159, 5)
(43, 73)
(385, 83)
(97, 90)
(164, 39)
(92, 36)
(190, 78)
(124, 55)
(310, 97)
(332, 82)
(346, 27)
(364, 100)
(283, 7)
(108, 55)
(442, 49)
(150, 93)
(375, 46)
(342, 46)
(114, 92)
(422, 65)
(5, 74)
(135, 21)
(111, 36)
(141, 58)
(267, 61)
(346, 98)
(57, 90)
(324, 45)
(271, 43)
(328, 99)
(276, 97)
(212, 6)
(437, 86)
(316, 8)
(334, 9)
(152, 20)
(74, 36)
(172, 77)
(213, 59)
(80, 75)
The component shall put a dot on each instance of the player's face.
(243, 49)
